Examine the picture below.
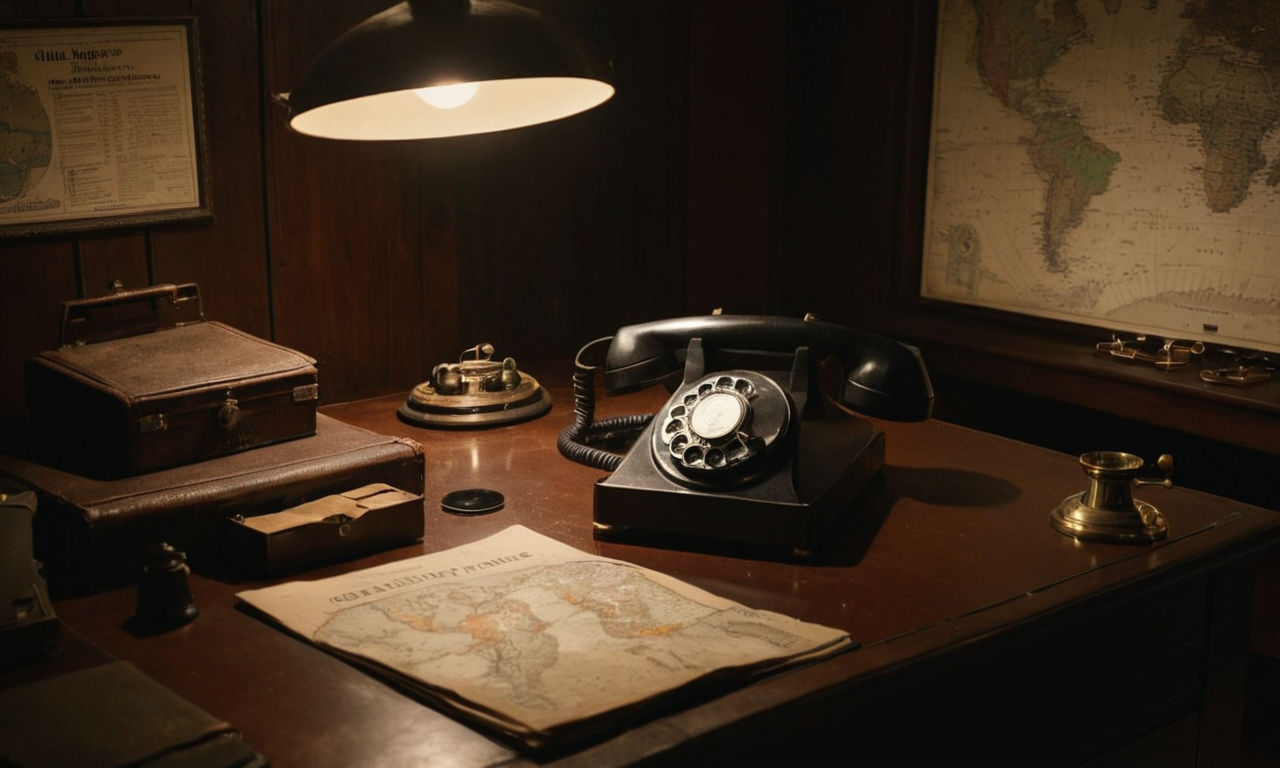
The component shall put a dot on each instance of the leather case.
(141, 381)
(93, 533)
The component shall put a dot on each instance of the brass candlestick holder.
(1107, 511)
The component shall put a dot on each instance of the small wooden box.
(333, 528)
(141, 381)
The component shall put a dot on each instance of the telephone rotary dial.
(722, 429)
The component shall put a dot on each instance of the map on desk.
(542, 642)
(1109, 162)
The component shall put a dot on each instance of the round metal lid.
(472, 501)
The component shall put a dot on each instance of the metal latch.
(152, 422)
(229, 413)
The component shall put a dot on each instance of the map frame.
(917, 276)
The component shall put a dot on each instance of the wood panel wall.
(381, 260)
(227, 258)
(758, 157)
(714, 179)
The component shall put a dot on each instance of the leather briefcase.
(141, 381)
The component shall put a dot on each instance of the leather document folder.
(93, 534)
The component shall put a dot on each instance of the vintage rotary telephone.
(747, 449)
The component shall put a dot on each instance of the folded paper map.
(538, 641)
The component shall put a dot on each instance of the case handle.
(129, 313)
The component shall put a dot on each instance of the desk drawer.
(1070, 691)
(1077, 687)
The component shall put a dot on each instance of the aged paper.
(98, 121)
(1114, 164)
(535, 638)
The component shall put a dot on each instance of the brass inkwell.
(476, 391)
(1107, 511)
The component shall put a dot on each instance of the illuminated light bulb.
(448, 96)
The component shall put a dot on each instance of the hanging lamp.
(435, 68)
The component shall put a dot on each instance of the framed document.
(101, 125)
(1109, 164)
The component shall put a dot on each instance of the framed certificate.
(102, 126)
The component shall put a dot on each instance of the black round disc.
(472, 501)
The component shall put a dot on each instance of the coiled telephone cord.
(575, 440)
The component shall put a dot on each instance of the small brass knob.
(1165, 465)
(229, 414)
(446, 379)
(510, 374)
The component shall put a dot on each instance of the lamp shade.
(434, 68)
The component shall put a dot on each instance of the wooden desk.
(985, 633)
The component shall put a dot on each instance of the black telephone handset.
(884, 378)
(747, 449)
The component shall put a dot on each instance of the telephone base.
(790, 511)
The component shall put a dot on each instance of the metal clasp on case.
(306, 392)
(152, 422)
(229, 413)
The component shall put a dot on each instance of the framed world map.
(1114, 163)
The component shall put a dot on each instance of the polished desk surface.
(951, 545)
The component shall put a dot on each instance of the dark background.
(758, 157)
